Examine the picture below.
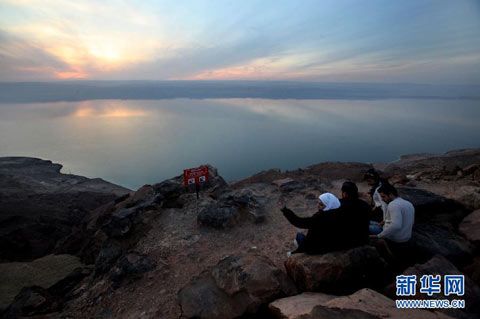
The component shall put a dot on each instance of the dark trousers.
(301, 240)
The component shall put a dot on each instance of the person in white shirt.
(399, 216)
(378, 205)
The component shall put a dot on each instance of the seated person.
(316, 225)
(354, 215)
(378, 205)
(343, 227)
(399, 216)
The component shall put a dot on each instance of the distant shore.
(32, 92)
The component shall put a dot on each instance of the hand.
(381, 223)
(373, 236)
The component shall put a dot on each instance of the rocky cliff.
(162, 253)
(39, 205)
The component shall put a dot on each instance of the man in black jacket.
(338, 229)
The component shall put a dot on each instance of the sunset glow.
(415, 41)
(70, 75)
(109, 112)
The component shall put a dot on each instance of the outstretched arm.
(303, 222)
(294, 219)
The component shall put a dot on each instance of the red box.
(195, 175)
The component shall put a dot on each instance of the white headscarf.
(329, 200)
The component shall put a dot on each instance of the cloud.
(192, 60)
(21, 60)
(304, 40)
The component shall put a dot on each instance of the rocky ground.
(161, 253)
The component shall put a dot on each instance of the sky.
(418, 41)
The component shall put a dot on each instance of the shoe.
(289, 254)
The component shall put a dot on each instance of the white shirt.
(399, 219)
(377, 199)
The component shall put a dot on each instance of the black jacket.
(342, 228)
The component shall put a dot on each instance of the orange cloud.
(120, 112)
(70, 75)
(238, 72)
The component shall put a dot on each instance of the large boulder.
(439, 265)
(36, 300)
(238, 285)
(473, 270)
(470, 196)
(219, 215)
(123, 219)
(298, 306)
(432, 208)
(470, 227)
(430, 240)
(130, 267)
(337, 272)
(363, 304)
(32, 300)
(232, 208)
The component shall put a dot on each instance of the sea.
(138, 142)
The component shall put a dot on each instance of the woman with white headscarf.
(328, 201)
(319, 225)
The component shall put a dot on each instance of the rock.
(201, 298)
(335, 170)
(311, 196)
(323, 312)
(297, 306)
(144, 193)
(130, 267)
(471, 198)
(248, 202)
(218, 215)
(36, 300)
(40, 206)
(169, 192)
(63, 287)
(238, 285)
(288, 185)
(476, 175)
(283, 181)
(471, 169)
(429, 240)
(337, 272)
(433, 209)
(123, 221)
(363, 304)
(473, 270)
(232, 208)
(439, 265)
(448, 161)
(32, 300)
(470, 227)
(108, 255)
(398, 179)
(267, 176)
(374, 303)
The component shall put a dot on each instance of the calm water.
(142, 142)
